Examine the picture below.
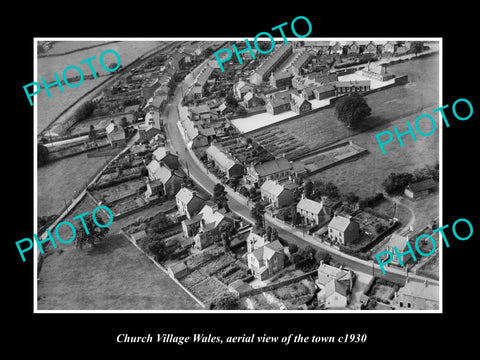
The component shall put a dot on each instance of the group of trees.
(308, 253)
(352, 109)
(318, 188)
(96, 233)
(257, 212)
(396, 183)
(371, 201)
(220, 197)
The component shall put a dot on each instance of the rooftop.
(310, 206)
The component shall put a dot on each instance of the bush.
(85, 111)
(293, 248)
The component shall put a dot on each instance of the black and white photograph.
(239, 177)
(218, 179)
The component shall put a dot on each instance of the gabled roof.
(178, 267)
(335, 286)
(220, 157)
(400, 242)
(327, 272)
(302, 59)
(268, 250)
(281, 75)
(186, 196)
(273, 167)
(113, 127)
(272, 187)
(426, 184)
(161, 152)
(207, 131)
(299, 100)
(340, 223)
(210, 216)
(310, 206)
(324, 88)
(266, 67)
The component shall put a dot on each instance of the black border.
(387, 333)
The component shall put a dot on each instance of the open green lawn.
(61, 180)
(113, 275)
(365, 175)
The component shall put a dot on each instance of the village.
(240, 213)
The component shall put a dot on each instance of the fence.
(278, 284)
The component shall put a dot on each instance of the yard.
(119, 191)
(113, 275)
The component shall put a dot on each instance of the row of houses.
(364, 47)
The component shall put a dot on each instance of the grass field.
(365, 175)
(113, 275)
(60, 181)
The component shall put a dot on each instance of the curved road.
(238, 205)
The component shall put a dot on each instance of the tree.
(225, 301)
(157, 249)
(96, 233)
(331, 190)
(292, 248)
(123, 122)
(243, 191)
(85, 111)
(220, 196)
(42, 154)
(112, 65)
(268, 232)
(274, 234)
(396, 183)
(351, 198)
(324, 256)
(252, 192)
(308, 189)
(352, 109)
(231, 102)
(257, 213)
(295, 216)
(92, 134)
(234, 182)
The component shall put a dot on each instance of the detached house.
(281, 80)
(165, 157)
(299, 104)
(275, 194)
(343, 229)
(115, 135)
(171, 179)
(399, 242)
(188, 202)
(312, 211)
(208, 223)
(335, 285)
(266, 260)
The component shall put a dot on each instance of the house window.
(401, 303)
(409, 305)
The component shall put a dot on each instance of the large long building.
(271, 64)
